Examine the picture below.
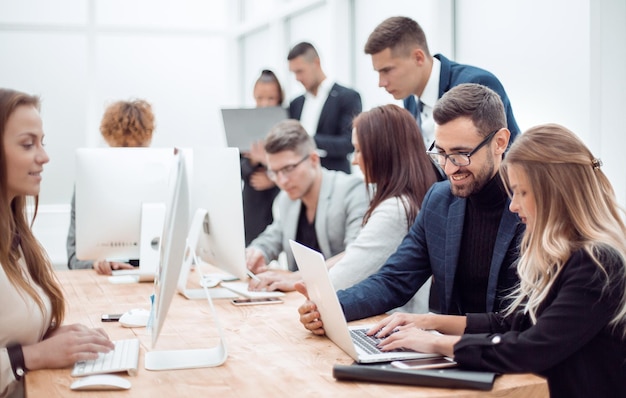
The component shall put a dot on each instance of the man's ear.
(315, 158)
(502, 138)
(418, 55)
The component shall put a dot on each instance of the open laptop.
(244, 126)
(351, 339)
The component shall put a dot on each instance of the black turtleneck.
(483, 212)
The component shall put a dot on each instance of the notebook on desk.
(244, 126)
(351, 339)
(444, 378)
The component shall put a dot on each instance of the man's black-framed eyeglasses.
(285, 171)
(460, 158)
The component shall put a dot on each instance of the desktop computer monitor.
(120, 202)
(173, 246)
(217, 237)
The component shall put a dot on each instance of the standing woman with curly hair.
(124, 124)
(32, 311)
(567, 321)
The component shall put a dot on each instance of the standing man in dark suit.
(326, 109)
(408, 71)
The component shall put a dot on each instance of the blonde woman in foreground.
(567, 318)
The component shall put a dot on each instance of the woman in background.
(567, 321)
(389, 150)
(258, 190)
(124, 124)
(32, 334)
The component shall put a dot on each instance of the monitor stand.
(188, 359)
(199, 225)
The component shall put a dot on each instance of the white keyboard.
(124, 358)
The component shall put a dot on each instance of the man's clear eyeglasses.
(285, 171)
(458, 159)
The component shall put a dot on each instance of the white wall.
(560, 61)
(81, 55)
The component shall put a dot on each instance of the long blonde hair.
(15, 228)
(575, 209)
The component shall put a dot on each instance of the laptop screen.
(244, 126)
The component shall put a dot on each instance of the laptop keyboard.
(369, 344)
(124, 358)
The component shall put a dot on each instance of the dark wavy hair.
(395, 157)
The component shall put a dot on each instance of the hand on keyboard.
(124, 358)
(64, 345)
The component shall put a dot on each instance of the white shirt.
(429, 98)
(313, 104)
(378, 240)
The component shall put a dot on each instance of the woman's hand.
(257, 153)
(260, 181)
(65, 346)
(397, 319)
(416, 339)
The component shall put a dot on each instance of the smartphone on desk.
(110, 317)
(257, 301)
(425, 363)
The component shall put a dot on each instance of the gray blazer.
(340, 209)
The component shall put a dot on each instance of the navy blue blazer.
(435, 251)
(334, 129)
(453, 74)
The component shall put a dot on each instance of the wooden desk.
(270, 353)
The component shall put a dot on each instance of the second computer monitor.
(216, 187)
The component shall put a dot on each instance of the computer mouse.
(100, 382)
(209, 283)
(135, 318)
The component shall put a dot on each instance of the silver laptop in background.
(312, 267)
(243, 126)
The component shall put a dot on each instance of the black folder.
(385, 373)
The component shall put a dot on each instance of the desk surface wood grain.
(269, 353)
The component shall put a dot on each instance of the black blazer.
(334, 129)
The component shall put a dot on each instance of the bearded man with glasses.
(464, 236)
(322, 209)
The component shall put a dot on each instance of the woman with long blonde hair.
(32, 334)
(567, 320)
